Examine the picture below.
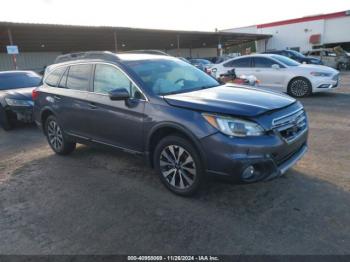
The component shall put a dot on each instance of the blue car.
(182, 121)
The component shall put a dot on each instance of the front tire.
(56, 137)
(299, 87)
(178, 165)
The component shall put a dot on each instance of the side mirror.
(275, 66)
(119, 94)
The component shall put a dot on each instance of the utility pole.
(14, 59)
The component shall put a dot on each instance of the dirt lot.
(104, 202)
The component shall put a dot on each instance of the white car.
(281, 73)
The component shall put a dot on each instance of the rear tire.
(299, 87)
(5, 122)
(178, 165)
(56, 137)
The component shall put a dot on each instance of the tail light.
(35, 94)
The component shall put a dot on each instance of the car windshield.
(297, 54)
(19, 80)
(285, 60)
(201, 61)
(171, 76)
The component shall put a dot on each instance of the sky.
(204, 15)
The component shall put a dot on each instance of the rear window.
(262, 62)
(79, 77)
(19, 80)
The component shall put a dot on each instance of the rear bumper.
(269, 156)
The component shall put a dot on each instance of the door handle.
(57, 98)
(92, 105)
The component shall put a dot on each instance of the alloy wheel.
(299, 88)
(177, 166)
(55, 135)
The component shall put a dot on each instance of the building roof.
(305, 19)
(32, 37)
(297, 20)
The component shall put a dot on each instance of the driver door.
(116, 123)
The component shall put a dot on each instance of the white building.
(302, 34)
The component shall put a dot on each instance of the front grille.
(335, 77)
(291, 126)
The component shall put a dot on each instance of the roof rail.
(105, 55)
(148, 51)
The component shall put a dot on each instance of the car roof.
(107, 57)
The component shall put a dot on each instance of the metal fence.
(35, 61)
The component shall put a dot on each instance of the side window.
(263, 62)
(241, 62)
(63, 81)
(54, 76)
(108, 78)
(79, 77)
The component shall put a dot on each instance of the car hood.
(231, 100)
(317, 68)
(22, 93)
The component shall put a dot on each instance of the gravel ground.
(106, 202)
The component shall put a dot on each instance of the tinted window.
(19, 80)
(241, 62)
(165, 76)
(54, 76)
(263, 62)
(108, 78)
(296, 54)
(78, 77)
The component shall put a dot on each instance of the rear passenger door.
(71, 99)
(116, 123)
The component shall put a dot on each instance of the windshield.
(297, 54)
(19, 80)
(285, 60)
(201, 61)
(170, 76)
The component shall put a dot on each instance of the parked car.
(179, 118)
(16, 97)
(282, 74)
(336, 58)
(201, 64)
(297, 56)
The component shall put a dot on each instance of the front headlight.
(234, 126)
(322, 74)
(18, 102)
